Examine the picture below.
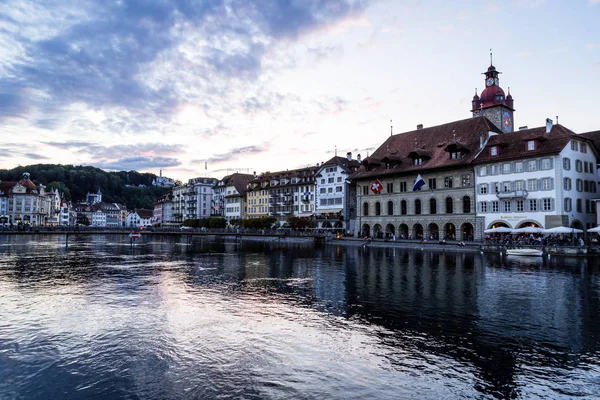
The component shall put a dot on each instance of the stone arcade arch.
(366, 230)
(433, 232)
(468, 233)
(417, 231)
(377, 231)
(403, 231)
(390, 230)
(450, 231)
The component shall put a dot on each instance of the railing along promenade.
(561, 248)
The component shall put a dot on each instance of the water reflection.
(174, 317)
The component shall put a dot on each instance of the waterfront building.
(113, 213)
(98, 217)
(218, 201)
(283, 194)
(140, 217)
(336, 194)
(83, 212)
(257, 199)
(419, 184)
(235, 187)
(163, 210)
(198, 197)
(544, 177)
(27, 203)
(179, 204)
(5, 189)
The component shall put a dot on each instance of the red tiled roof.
(594, 136)
(513, 144)
(431, 143)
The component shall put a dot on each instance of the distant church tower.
(493, 104)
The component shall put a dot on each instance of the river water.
(170, 318)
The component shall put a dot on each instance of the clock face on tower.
(506, 121)
(489, 82)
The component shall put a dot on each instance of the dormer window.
(530, 145)
(418, 161)
(494, 151)
(455, 155)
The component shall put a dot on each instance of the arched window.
(466, 204)
(365, 208)
(432, 206)
(390, 207)
(403, 208)
(378, 208)
(449, 205)
(417, 206)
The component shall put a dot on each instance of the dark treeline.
(76, 181)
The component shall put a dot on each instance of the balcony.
(515, 194)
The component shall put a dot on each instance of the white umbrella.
(563, 229)
(528, 229)
(500, 229)
(594, 230)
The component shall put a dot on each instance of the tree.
(297, 223)
(82, 219)
(62, 189)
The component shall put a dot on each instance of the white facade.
(547, 191)
(133, 220)
(179, 209)
(99, 218)
(304, 200)
(199, 196)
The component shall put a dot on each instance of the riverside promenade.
(287, 235)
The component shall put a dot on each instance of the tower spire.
(491, 63)
(391, 128)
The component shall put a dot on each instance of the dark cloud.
(234, 154)
(100, 151)
(104, 57)
(36, 156)
(137, 163)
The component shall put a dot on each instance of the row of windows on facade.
(274, 201)
(535, 165)
(338, 189)
(432, 183)
(331, 201)
(534, 185)
(534, 205)
(265, 210)
(331, 180)
(418, 209)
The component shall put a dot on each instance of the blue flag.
(419, 182)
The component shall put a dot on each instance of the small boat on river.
(525, 252)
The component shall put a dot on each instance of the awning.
(329, 211)
(306, 214)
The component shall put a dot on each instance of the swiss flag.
(376, 186)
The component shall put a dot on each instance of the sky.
(208, 87)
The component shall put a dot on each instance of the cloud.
(144, 56)
(592, 2)
(591, 46)
(522, 53)
(101, 151)
(137, 163)
(236, 153)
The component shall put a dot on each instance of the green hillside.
(76, 181)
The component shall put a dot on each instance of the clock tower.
(493, 104)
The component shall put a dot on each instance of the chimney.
(419, 127)
(349, 156)
(358, 159)
(548, 125)
(523, 128)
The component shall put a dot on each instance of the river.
(180, 318)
